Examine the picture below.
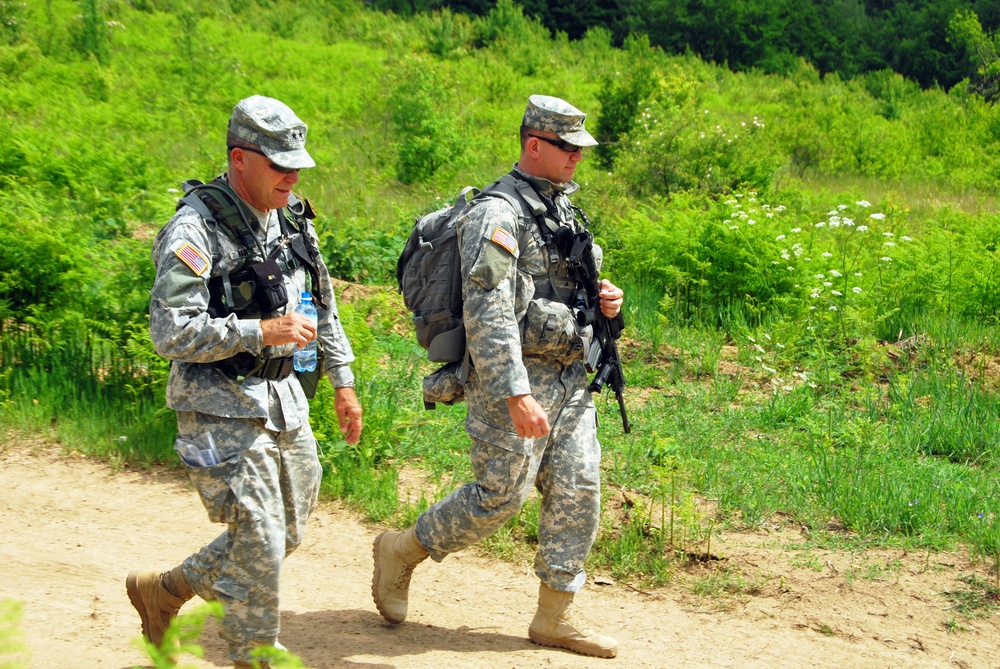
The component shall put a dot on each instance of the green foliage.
(90, 35)
(965, 29)
(621, 96)
(12, 18)
(11, 644)
(446, 33)
(758, 376)
(181, 636)
(422, 112)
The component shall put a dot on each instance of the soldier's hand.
(345, 401)
(611, 298)
(528, 415)
(288, 329)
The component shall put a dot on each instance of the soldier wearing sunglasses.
(231, 266)
(531, 418)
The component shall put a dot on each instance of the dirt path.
(73, 528)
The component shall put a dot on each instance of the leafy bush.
(422, 110)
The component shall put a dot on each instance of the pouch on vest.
(549, 330)
(269, 292)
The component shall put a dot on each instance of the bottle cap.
(307, 295)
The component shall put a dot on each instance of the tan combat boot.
(396, 554)
(157, 597)
(552, 627)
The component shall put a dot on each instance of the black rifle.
(603, 356)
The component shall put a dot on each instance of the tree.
(965, 28)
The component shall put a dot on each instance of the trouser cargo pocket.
(220, 488)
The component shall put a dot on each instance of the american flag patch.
(504, 239)
(192, 257)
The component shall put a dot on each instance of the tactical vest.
(251, 285)
(558, 284)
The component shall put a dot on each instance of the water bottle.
(305, 358)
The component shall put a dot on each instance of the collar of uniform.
(547, 188)
(263, 217)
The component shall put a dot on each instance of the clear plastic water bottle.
(305, 358)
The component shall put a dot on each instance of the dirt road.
(73, 528)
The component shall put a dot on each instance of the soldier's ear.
(238, 157)
(531, 146)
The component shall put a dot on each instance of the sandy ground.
(74, 527)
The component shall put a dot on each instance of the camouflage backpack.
(429, 277)
(429, 270)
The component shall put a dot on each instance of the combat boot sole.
(579, 645)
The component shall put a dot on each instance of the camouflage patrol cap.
(274, 127)
(551, 114)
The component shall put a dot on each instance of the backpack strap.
(522, 196)
(299, 213)
(216, 202)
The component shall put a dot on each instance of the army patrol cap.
(274, 127)
(551, 114)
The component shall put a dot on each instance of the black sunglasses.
(270, 163)
(559, 143)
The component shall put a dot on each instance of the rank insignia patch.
(503, 238)
(192, 257)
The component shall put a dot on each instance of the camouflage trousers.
(264, 490)
(564, 466)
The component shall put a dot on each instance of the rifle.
(602, 356)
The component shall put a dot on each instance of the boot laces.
(403, 576)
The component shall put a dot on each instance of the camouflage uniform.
(515, 354)
(268, 480)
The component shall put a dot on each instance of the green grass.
(751, 384)
(12, 649)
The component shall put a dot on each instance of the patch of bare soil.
(74, 527)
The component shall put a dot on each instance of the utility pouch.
(444, 385)
(549, 331)
(310, 380)
(270, 292)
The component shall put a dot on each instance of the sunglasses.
(276, 168)
(559, 144)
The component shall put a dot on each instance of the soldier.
(530, 416)
(230, 267)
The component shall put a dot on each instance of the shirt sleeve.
(179, 323)
(488, 236)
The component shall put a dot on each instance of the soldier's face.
(554, 163)
(264, 185)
